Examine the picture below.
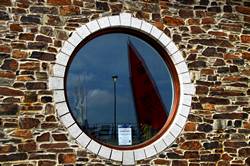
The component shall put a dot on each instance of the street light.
(114, 77)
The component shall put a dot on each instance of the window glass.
(119, 89)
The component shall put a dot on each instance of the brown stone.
(25, 78)
(214, 100)
(59, 2)
(186, 13)
(59, 137)
(197, 64)
(13, 157)
(196, 30)
(179, 163)
(207, 72)
(171, 21)
(69, 10)
(243, 9)
(27, 147)
(190, 126)
(47, 125)
(231, 56)
(43, 38)
(30, 66)
(235, 144)
(22, 133)
(191, 145)
(102, 6)
(6, 3)
(8, 109)
(208, 20)
(43, 156)
(210, 157)
(67, 158)
(36, 85)
(7, 148)
(10, 92)
(43, 10)
(10, 64)
(231, 27)
(232, 115)
(45, 137)
(235, 79)
(193, 21)
(161, 162)
(201, 89)
(245, 38)
(43, 56)
(244, 152)
(54, 146)
(16, 27)
(219, 62)
(246, 55)
(37, 45)
(26, 36)
(116, 8)
(18, 54)
(28, 123)
(217, 33)
(53, 21)
(226, 93)
(212, 42)
(30, 96)
(46, 163)
(7, 74)
(191, 154)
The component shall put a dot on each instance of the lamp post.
(114, 77)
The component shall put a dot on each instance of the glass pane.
(119, 90)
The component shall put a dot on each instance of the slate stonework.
(214, 37)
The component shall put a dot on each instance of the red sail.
(149, 107)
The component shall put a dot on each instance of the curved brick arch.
(56, 83)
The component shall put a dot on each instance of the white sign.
(124, 135)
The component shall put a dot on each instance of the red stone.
(246, 55)
(43, 137)
(30, 66)
(173, 21)
(191, 145)
(196, 30)
(16, 27)
(208, 20)
(59, 2)
(10, 92)
(22, 133)
(54, 146)
(6, 3)
(26, 36)
(46, 163)
(69, 10)
(217, 33)
(67, 158)
(7, 74)
(59, 137)
(243, 9)
(245, 38)
(7, 148)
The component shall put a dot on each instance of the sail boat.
(150, 110)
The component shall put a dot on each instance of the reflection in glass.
(119, 80)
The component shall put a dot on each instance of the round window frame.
(183, 88)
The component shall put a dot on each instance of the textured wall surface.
(214, 37)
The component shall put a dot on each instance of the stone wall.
(214, 37)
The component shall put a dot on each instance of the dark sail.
(149, 107)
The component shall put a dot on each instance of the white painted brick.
(62, 58)
(185, 78)
(171, 48)
(125, 19)
(104, 22)
(74, 130)
(177, 57)
(116, 155)
(136, 23)
(184, 110)
(83, 31)
(150, 151)
(189, 89)
(146, 26)
(67, 120)
(59, 96)
(75, 39)
(164, 39)
(187, 100)
(62, 108)
(58, 70)
(83, 140)
(168, 138)
(128, 158)
(105, 152)
(180, 120)
(160, 145)
(174, 129)
(56, 83)
(156, 32)
(67, 48)
(181, 67)
(114, 20)
(93, 26)
(139, 154)
(94, 146)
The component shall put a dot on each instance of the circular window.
(122, 88)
